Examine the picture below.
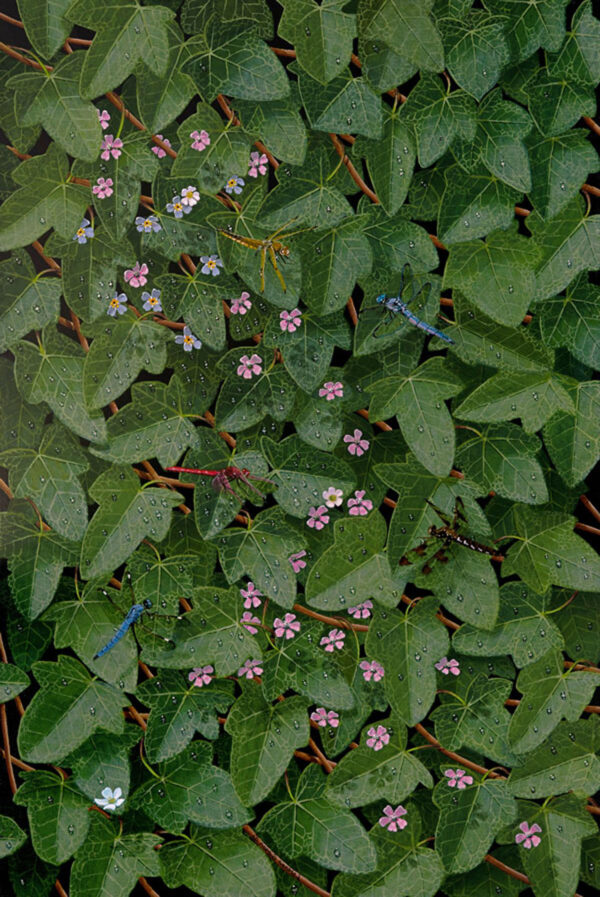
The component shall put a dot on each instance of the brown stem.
(283, 865)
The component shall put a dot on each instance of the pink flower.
(136, 276)
(332, 390)
(111, 146)
(361, 611)
(258, 164)
(379, 737)
(359, 506)
(289, 626)
(242, 305)
(201, 675)
(446, 666)
(200, 140)
(335, 639)
(323, 717)
(392, 818)
(297, 562)
(248, 621)
(290, 320)
(372, 670)
(103, 188)
(527, 835)
(318, 517)
(356, 444)
(158, 150)
(458, 778)
(249, 366)
(251, 596)
(103, 118)
(250, 669)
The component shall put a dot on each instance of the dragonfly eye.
(147, 603)
(381, 298)
(285, 250)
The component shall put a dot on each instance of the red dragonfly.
(223, 478)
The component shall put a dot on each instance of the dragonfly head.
(380, 298)
(284, 251)
(147, 603)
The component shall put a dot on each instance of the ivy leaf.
(355, 567)
(496, 275)
(438, 116)
(105, 849)
(365, 775)
(12, 681)
(280, 126)
(408, 645)
(185, 710)
(45, 24)
(89, 274)
(154, 424)
(238, 867)
(559, 165)
(548, 552)
(474, 204)
(404, 866)
(573, 440)
(12, 836)
(127, 514)
(126, 33)
(308, 823)
(54, 102)
(321, 35)
(189, 788)
(307, 353)
(57, 813)
(49, 476)
(30, 302)
(162, 97)
(476, 50)
(160, 579)
(557, 101)
(264, 738)
(396, 242)
(573, 320)
(566, 761)
(200, 303)
(345, 102)
(417, 401)
(539, 23)
(36, 559)
(59, 717)
(45, 199)
(104, 758)
(467, 586)
(550, 693)
(534, 397)
(407, 28)
(461, 844)
(523, 629)
(390, 162)
(501, 458)
(476, 718)
(120, 350)
(501, 129)
(579, 623)
(227, 153)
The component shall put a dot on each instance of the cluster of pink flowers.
(358, 505)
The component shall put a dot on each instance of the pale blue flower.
(188, 340)
(117, 305)
(84, 232)
(151, 301)
(147, 225)
(210, 264)
(234, 185)
(178, 208)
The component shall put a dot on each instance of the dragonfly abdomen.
(449, 535)
(133, 615)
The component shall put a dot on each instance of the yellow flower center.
(188, 339)
(177, 207)
(231, 182)
(211, 264)
(152, 300)
(80, 232)
(114, 303)
(147, 223)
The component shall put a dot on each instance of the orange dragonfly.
(273, 246)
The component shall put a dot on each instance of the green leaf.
(476, 51)
(469, 821)
(531, 24)
(501, 129)
(556, 101)
(109, 863)
(550, 693)
(161, 580)
(11, 836)
(307, 353)
(579, 623)
(279, 125)
(573, 320)
(12, 682)
(217, 863)
(308, 824)
(126, 33)
(161, 98)
(496, 275)
(127, 514)
(396, 242)
(344, 104)
(54, 102)
(548, 552)
(355, 567)
(524, 629)
(474, 204)
(200, 303)
(321, 35)
(89, 274)
(501, 458)
(44, 200)
(406, 27)
(390, 162)
(559, 166)
(189, 789)
(438, 116)
(365, 775)
(264, 738)
(184, 708)
(59, 718)
(227, 153)
(49, 476)
(573, 440)
(534, 397)
(58, 815)
(417, 401)
(408, 645)
(120, 350)
(104, 758)
(45, 24)
(30, 302)
(566, 761)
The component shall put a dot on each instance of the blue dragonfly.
(133, 615)
(395, 305)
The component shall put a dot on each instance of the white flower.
(110, 799)
(333, 497)
(190, 196)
